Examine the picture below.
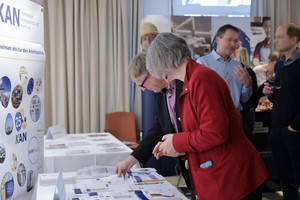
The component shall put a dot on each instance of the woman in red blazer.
(223, 164)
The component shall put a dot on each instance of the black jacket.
(162, 125)
(286, 100)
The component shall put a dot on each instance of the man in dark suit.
(166, 120)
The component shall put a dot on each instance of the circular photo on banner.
(17, 95)
(35, 108)
(13, 162)
(30, 86)
(5, 89)
(38, 85)
(21, 174)
(7, 186)
(33, 150)
(18, 121)
(9, 124)
(30, 180)
(23, 75)
(2, 153)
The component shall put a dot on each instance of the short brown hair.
(293, 30)
(274, 56)
(223, 29)
(137, 67)
(265, 19)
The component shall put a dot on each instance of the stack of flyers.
(142, 170)
(77, 151)
(139, 171)
(97, 135)
(108, 145)
(157, 186)
(100, 171)
(84, 173)
(79, 173)
(72, 138)
(150, 178)
(91, 189)
(117, 194)
(57, 146)
(98, 139)
(156, 195)
(77, 144)
(112, 179)
(114, 149)
(87, 197)
(161, 193)
(95, 172)
(128, 143)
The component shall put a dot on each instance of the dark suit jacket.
(162, 125)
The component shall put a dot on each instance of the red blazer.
(213, 132)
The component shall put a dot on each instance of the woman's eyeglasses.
(142, 85)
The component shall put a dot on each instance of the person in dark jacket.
(285, 94)
(166, 120)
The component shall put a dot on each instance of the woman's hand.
(165, 148)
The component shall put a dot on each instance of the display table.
(75, 151)
(46, 186)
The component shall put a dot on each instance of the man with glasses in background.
(219, 60)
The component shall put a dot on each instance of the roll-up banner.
(22, 65)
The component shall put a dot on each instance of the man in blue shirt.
(219, 60)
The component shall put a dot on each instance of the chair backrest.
(122, 126)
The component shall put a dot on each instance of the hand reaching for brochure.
(124, 166)
(165, 148)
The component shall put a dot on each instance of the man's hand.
(186, 163)
(291, 129)
(165, 148)
(124, 166)
(268, 90)
(241, 74)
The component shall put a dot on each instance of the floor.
(271, 188)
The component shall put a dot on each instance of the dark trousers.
(286, 155)
(290, 189)
(248, 120)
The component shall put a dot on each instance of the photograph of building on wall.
(196, 30)
(5, 89)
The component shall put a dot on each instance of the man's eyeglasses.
(229, 40)
(142, 85)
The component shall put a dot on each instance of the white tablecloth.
(83, 150)
(46, 185)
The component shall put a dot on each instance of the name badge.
(206, 164)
